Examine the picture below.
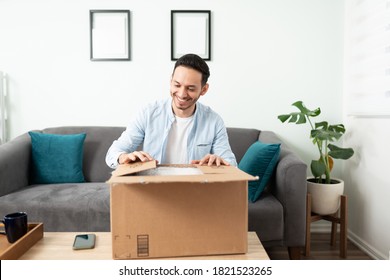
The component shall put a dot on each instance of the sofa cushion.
(266, 218)
(78, 207)
(259, 160)
(96, 145)
(57, 158)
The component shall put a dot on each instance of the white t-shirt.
(176, 151)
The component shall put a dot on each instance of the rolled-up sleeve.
(128, 142)
(221, 145)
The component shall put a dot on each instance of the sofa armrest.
(290, 189)
(15, 160)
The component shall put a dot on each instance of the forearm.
(127, 143)
(112, 157)
(221, 147)
(119, 147)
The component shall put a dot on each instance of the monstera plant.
(322, 135)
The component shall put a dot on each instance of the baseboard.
(360, 243)
(365, 247)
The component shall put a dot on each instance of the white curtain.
(368, 57)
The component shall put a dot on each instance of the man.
(179, 129)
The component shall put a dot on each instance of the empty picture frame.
(109, 34)
(190, 33)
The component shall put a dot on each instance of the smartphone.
(84, 241)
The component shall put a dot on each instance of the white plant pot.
(325, 198)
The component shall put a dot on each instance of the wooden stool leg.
(342, 220)
(343, 227)
(308, 223)
(333, 232)
(294, 253)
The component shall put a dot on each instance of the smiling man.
(179, 129)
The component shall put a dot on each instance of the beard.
(185, 104)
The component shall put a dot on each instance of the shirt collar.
(171, 115)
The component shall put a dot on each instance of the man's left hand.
(210, 160)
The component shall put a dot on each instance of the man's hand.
(210, 159)
(134, 156)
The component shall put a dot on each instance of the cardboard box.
(178, 210)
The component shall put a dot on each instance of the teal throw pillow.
(57, 158)
(259, 160)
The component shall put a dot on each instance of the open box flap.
(131, 168)
(206, 174)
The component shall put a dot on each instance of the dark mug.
(15, 225)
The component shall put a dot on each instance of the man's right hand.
(134, 156)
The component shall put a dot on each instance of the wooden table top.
(58, 246)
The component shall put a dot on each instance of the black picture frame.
(190, 33)
(109, 35)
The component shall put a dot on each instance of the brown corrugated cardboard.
(172, 212)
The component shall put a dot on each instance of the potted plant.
(324, 189)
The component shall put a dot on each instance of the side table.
(339, 217)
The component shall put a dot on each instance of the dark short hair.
(195, 62)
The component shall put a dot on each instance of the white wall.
(266, 54)
(365, 175)
(367, 184)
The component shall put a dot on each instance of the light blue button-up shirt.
(150, 128)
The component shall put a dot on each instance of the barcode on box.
(143, 245)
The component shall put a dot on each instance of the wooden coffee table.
(58, 246)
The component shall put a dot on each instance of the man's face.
(186, 88)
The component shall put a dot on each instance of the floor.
(321, 250)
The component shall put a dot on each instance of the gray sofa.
(278, 217)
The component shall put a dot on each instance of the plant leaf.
(283, 118)
(301, 116)
(318, 168)
(324, 131)
(339, 128)
(314, 113)
(321, 125)
(306, 111)
(340, 153)
(301, 119)
(300, 106)
(294, 117)
(327, 135)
